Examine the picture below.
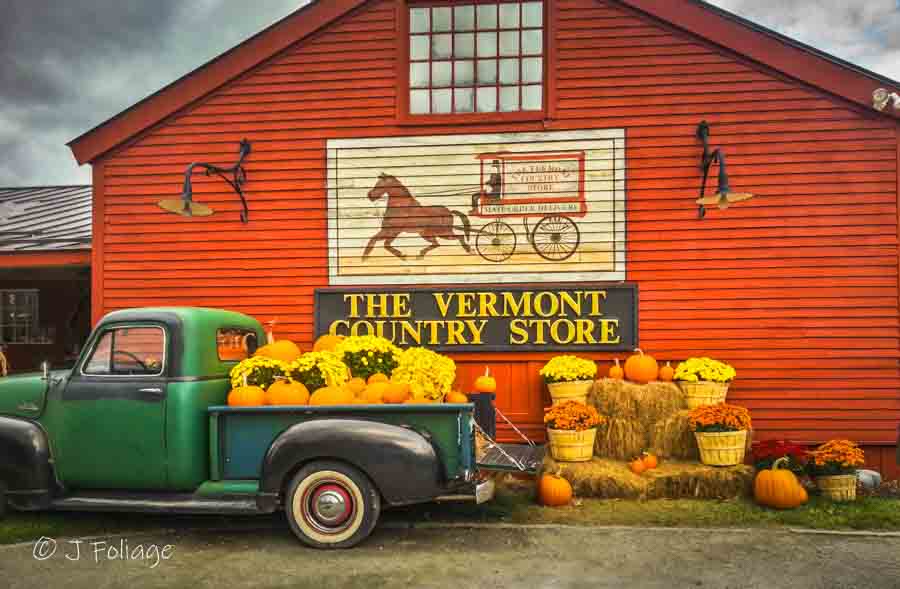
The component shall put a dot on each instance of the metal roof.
(45, 218)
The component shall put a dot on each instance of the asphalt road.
(460, 558)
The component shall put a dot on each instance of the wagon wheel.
(555, 238)
(496, 242)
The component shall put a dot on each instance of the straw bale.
(647, 403)
(602, 478)
(672, 438)
(620, 439)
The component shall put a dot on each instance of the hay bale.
(672, 438)
(647, 403)
(610, 479)
(620, 439)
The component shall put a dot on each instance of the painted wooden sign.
(519, 207)
(586, 317)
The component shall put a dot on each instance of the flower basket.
(572, 446)
(704, 392)
(841, 487)
(722, 448)
(574, 390)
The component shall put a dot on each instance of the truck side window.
(235, 344)
(127, 351)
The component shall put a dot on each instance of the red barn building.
(462, 104)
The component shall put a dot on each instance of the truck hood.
(23, 395)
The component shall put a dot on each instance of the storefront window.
(476, 58)
(19, 317)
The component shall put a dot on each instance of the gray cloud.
(66, 66)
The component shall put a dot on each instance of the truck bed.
(240, 436)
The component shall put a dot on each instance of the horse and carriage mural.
(477, 208)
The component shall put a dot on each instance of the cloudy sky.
(66, 66)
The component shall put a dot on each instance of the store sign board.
(591, 317)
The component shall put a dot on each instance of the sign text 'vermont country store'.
(494, 319)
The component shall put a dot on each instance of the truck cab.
(141, 423)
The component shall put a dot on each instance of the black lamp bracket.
(709, 158)
(235, 176)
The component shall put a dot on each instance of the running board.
(156, 503)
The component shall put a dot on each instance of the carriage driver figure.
(491, 190)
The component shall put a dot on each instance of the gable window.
(480, 57)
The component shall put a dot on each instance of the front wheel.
(332, 505)
(2, 500)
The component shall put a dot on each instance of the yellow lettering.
(476, 328)
(443, 303)
(487, 302)
(415, 335)
(455, 331)
(539, 325)
(570, 301)
(354, 300)
(376, 305)
(466, 302)
(608, 331)
(433, 329)
(333, 328)
(356, 328)
(541, 309)
(518, 335)
(595, 296)
(520, 307)
(401, 305)
(379, 328)
(554, 331)
(585, 328)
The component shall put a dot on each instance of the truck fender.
(25, 463)
(402, 463)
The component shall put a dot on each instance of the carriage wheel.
(496, 242)
(555, 238)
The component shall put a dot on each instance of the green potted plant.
(569, 378)
(704, 381)
(572, 430)
(721, 433)
(834, 466)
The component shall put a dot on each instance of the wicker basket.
(705, 392)
(572, 446)
(841, 487)
(575, 390)
(722, 448)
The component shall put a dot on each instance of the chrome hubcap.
(330, 507)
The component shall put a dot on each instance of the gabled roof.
(45, 218)
(731, 32)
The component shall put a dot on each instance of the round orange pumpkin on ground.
(615, 371)
(486, 383)
(284, 392)
(641, 368)
(554, 491)
(247, 396)
(331, 396)
(327, 342)
(778, 487)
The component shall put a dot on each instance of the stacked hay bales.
(639, 417)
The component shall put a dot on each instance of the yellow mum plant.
(366, 355)
(567, 369)
(319, 369)
(697, 369)
(430, 375)
(258, 370)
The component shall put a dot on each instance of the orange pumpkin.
(615, 371)
(396, 392)
(650, 461)
(778, 487)
(456, 397)
(247, 396)
(327, 342)
(637, 466)
(377, 377)
(331, 396)
(554, 491)
(374, 393)
(667, 373)
(285, 392)
(284, 350)
(356, 386)
(641, 368)
(486, 383)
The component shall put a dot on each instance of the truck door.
(113, 411)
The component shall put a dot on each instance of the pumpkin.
(331, 396)
(287, 392)
(374, 393)
(396, 392)
(327, 342)
(356, 386)
(650, 461)
(615, 371)
(456, 397)
(778, 487)
(284, 350)
(637, 466)
(377, 377)
(641, 368)
(486, 383)
(667, 373)
(247, 396)
(554, 491)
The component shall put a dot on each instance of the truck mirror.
(251, 343)
(45, 369)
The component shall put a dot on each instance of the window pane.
(487, 16)
(418, 75)
(419, 47)
(138, 350)
(487, 44)
(464, 73)
(100, 361)
(487, 71)
(440, 18)
(532, 97)
(487, 99)
(441, 73)
(533, 70)
(464, 18)
(419, 102)
(441, 101)
(509, 43)
(418, 20)
(532, 42)
(509, 71)
(509, 99)
(509, 16)
(532, 14)
(464, 45)
(464, 100)
(235, 344)
(440, 47)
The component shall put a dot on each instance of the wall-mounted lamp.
(881, 98)
(186, 207)
(724, 196)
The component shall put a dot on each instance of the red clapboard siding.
(798, 288)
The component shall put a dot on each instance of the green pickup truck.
(141, 424)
